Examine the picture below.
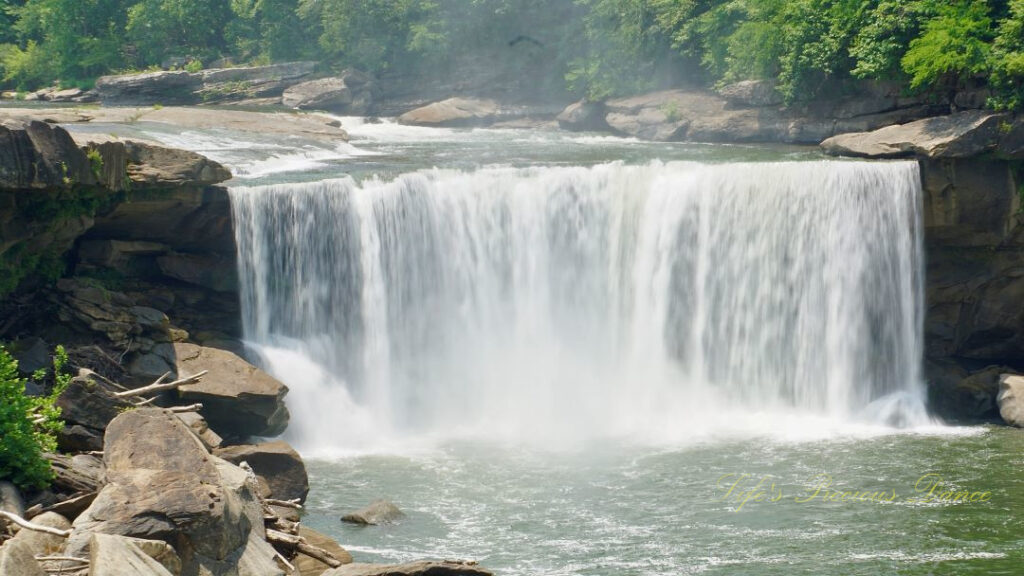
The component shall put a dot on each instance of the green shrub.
(193, 66)
(27, 425)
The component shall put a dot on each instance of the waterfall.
(582, 302)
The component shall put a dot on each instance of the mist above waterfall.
(558, 304)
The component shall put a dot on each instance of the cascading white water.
(564, 303)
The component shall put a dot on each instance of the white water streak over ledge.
(563, 304)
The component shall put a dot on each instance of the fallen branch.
(283, 503)
(42, 558)
(287, 564)
(34, 527)
(160, 387)
(182, 409)
(299, 544)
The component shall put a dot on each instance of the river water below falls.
(577, 354)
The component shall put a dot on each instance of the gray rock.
(1011, 399)
(35, 154)
(41, 543)
(164, 87)
(954, 136)
(32, 354)
(10, 500)
(378, 512)
(277, 463)
(239, 400)
(88, 403)
(206, 86)
(583, 116)
(751, 93)
(197, 424)
(156, 166)
(420, 568)
(16, 559)
(148, 367)
(119, 556)
(349, 93)
(454, 112)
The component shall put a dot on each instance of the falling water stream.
(558, 353)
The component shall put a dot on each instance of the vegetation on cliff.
(29, 424)
(596, 48)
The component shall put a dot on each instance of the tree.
(163, 28)
(27, 425)
(954, 45)
(1008, 59)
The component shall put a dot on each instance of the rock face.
(239, 400)
(120, 556)
(207, 86)
(34, 154)
(1011, 399)
(350, 93)
(959, 135)
(275, 462)
(378, 512)
(156, 166)
(751, 93)
(421, 568)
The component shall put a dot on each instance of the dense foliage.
(28, 424)
(597, 48)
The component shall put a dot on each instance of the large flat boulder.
(1011, 399)
(377, 512)
(420, 568)
(164, 485)
(119, 556)
(454, 112)
(206, 86)
(164, 87)
(239, 400)
(959, 135)
(277, 463)
(150, 165)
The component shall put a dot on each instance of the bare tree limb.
(161, 387)
(34, 527)
(191, 408)
(284, 503)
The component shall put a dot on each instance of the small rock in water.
(379, 512)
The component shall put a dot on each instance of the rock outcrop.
(37, 155)
(276, 463)
(350, 93)
(207, 86)
(1011, 399)
(87, 406)
(751, 94)
(961, 135)
(239, 400)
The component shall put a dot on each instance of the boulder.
(197, 424)
(583, 116)
(1011, 399)
(213, 271)
(960, 396)
(156, 166)
(164, 485)
(17, 559)
(206, 86)
(239, 400)
(275, 462)
(378, 512)
(350, 93)
(307, 566)
(37, 155)
(120, 556)
(959, 135)
(420, 568)
(41, 543)
(87, 405)
(10, 501)
(751, 93)
(454, 112)
(32, 354)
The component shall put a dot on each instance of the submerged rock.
(378, 512)
(1011, 399)
(420, 568)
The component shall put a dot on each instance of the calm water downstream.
(582, 355)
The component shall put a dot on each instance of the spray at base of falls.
(663, 301)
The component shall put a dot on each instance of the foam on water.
(662, 303)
